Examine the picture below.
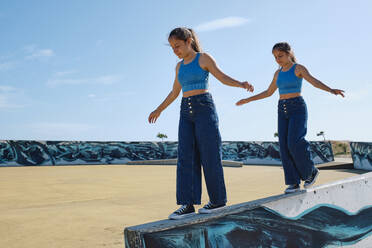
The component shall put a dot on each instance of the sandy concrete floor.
(89, 206)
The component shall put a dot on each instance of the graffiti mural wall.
(263, 227)
(18, 153)
(361, 153)
(23, 153)
(326, 216)
(269, 152)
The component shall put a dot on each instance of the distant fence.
(25, 153)
(361, 153)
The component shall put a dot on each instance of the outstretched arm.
(272, 88)
(168, 100)
(209, 64)
(304, 73)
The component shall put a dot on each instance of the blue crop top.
(288, 82)
(191, 76)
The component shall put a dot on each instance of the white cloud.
(58, 130)
(63, 73)
(8, 96)
(113, 97)
(6, 66)
(106, 80)
(60, 126)
(35, 53)
(29, 52)
(55, 82)
(6, 103)
(41, 53)
(29, 48)
(362, 93)
(227, 22)
(5, 88)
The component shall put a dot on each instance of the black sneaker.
(292, 188)
(182, 212)
(311, 180)
(210, 207)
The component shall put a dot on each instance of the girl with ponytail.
(199, 139)
(292, 117)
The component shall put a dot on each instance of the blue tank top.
(192, 77)
(288, 82)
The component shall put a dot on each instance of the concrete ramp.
(337, 214)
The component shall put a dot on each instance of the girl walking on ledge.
(199, 140)
(292, 117)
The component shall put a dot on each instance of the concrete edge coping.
(231, 163)
(226, 163)
(335, 165)
(163, 225)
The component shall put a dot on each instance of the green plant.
(161, 136)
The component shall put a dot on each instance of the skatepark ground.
(89, 206)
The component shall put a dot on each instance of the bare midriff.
(289, 95)
(194, 93)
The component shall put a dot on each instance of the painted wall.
(333, 215)
(361, 153)
(23, 153)
(269, 152)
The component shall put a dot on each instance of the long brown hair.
(285, 47)
(183, 33)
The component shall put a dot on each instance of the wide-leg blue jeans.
(294, 148)
(199, 145)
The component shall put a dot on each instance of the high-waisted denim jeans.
(294, 149)
(199, 143)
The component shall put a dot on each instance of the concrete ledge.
(335, 166)
(229, 163)
(153, 162)
(225, 163)
(339, 196)
(133, 235)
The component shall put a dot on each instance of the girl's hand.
(247, 86)
(337, 92)
(154, 116)
(243, 101)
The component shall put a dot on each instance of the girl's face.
(180, 48)
(282, 58)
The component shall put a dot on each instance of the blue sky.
(94, 70)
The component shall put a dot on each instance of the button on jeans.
(294, 149)
(199, 145)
